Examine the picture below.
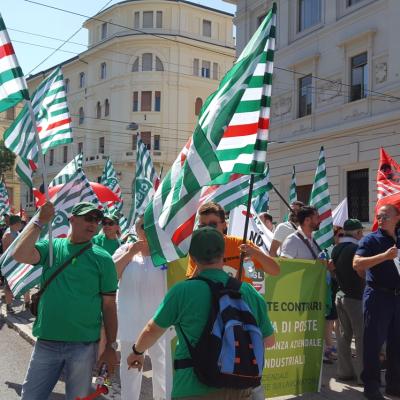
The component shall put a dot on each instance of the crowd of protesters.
(82, 303)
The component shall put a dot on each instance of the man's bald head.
(390, 208)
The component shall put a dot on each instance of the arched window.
(198, 105)
(81, 115)
(135, 65)
(147, 62)
(159, 65)
(82, 80)
(103, 70)
(66, 84)
(106, 108)
(98, 110)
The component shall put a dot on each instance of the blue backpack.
(230, 351)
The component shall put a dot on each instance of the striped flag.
(230, 137)
(321, 200)
(388, 176)
(13, 87)
(293, 187)
(145, 181)
(24, 169)
(22, 277)
(4, 200)
(53, 122)
(69, 170)
(260, 203)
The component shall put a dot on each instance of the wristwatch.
(114, 345)
(138, 353)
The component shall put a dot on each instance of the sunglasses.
(383, 217)
(210, 224)
(92, 218)
(109, 223)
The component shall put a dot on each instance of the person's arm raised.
(269, 265)
(25, 251)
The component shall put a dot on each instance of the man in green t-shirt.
(72, 306)
(109, 238)
(187, 306)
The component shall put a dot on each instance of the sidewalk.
(22, 322)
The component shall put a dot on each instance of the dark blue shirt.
(384, 274)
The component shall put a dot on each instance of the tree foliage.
(7, 159)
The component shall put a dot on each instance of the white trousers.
(131, 380)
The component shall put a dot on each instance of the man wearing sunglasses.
(213, 215)
(108, 239)
(71, 308)
(376, 257)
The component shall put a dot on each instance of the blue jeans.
(49, 359)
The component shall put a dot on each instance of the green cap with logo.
(114, 216)
(84, 208)
(352, 224)
(207, 244)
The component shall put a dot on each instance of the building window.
(81, 116)
(135, 101)
(134, 141)
(352, 2)
(205, 69)
(304, 193)
(66, 85)
(147, 62)
(101, 145)
(98, 110)
(157, 142)
(136, 20)
(197, 106)
(51, 157)
(10, 113)
(135, 65)
(206, 28)
(305, 96)
(147, 19)
(196, 66)
(159, 65)
(145, 101)
(65, 154)
(80, 147)
(103, 70)
(159, 19)
(359, 77)
(82, 80)
(106, 108)
(146, 139)
(358, 194)
(104, 27)
(309, 13)
(215, 71)
(157, 101)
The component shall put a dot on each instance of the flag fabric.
(13, 86)
(109, 177)
(69, 170)
(293, 187)
(260, 202)
(4, 200)
(145, 182)
(230, 137)
(388, 176)
(24, 169)
(321, 200)
(22, 277)
(53, 121)
(340, 213)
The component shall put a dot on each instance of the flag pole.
(280, 196)
(246, 225)
(44, 173)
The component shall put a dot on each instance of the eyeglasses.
(109, 223)
(383, 217)
(210, 224)
(92, 218)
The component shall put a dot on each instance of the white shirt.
(294, 247)
(141, 288)
(282, 231)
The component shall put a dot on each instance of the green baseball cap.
(207, 244)
(114, 216)
(352, 224)
(84, 208)
(14, 219)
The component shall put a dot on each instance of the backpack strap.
(307, 243)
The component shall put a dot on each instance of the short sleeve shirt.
(294, 247)
(187, 306)
(109, 245)
(282, 231)
(384, 274)
(70, 309)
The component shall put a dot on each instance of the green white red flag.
(13, 87)
(293, 187)
(321, 200)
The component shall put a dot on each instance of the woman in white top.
(142, 287)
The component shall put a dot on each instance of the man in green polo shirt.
(109, 238)
(187, 306)
(72, 306)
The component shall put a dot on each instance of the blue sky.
(20, 15)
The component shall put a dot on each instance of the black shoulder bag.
(35, 298)
(306, 242)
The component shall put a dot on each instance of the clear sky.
(20, 15)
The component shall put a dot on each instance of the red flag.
(388, 176)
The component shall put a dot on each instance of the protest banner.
(296, 307)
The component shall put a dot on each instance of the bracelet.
(38, 224)
(138, 353)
